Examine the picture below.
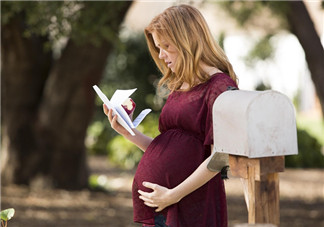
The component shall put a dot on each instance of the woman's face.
(167, 52)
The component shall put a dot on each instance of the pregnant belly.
(169, 159)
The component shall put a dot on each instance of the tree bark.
(25, 68)
(47, 105)
(302, 26)
(66, 110)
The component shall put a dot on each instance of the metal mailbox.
(255, 130)
(254, 124)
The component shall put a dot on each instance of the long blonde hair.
(186, 29)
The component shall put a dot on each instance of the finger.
(110, 117)
(114, 121)
(150, 204)
(159, 209)
(149, 185)
(145, 194)
(105, 109)
(147, 200)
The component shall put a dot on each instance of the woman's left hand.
(161, 197)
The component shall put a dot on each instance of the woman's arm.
(140, 140)
(162, 197)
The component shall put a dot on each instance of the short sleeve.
(218, 84)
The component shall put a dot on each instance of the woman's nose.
(161, 54)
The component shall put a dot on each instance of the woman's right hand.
(140, 140)
(113, 121)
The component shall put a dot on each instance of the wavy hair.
(185, 28)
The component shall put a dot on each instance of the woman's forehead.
(158, 39)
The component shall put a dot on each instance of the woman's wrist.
(176, 194)
(139, 139)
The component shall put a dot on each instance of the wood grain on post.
(262, 191)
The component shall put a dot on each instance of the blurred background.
(62, 164)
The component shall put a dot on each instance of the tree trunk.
(25, 68)
(302, 26)
(66, 110)
(48, 106)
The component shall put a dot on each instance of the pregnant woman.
(172, 185)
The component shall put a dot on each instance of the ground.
(301, 201)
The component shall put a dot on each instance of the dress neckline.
(199, 85)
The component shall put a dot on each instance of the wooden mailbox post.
(257, 129)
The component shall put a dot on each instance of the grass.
(314, 125)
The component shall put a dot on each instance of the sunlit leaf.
(7, 214)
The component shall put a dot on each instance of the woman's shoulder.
(217, 84)
(219, 76)
(221, 79)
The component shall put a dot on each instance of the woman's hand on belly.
(161, 197)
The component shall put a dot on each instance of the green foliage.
(123, 153)
(98, 135)
(279, 8)
(6, 215)
(80, 20)
(313, 125)
(126, 154)
(246, 11)
(221, 39)
(98, 183)
(309, 152)
(249, 12)
(9, 9)
(131, 66)
(42, 18)
(262, 50)
(242, 11)
(261, 86)
(98, 21)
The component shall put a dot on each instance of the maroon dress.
(186, 130)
